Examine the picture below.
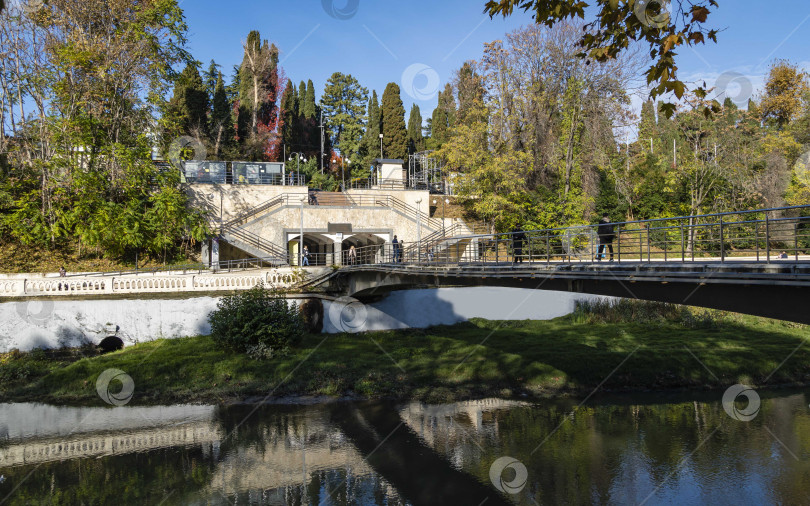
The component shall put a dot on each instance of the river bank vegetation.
(634, 347)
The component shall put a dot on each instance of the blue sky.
(419, 43)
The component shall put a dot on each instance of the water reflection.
(673, 452)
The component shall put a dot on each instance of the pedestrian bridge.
(755, 262)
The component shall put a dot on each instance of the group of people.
(397, 247)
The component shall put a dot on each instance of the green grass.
(572, 354)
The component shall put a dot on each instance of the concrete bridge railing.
(132, 284)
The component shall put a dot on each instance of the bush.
(257, 321)
(312, 314)
(644, 312)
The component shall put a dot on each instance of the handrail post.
(683, 243)
(649, 244)
(619, 241)
(548, 247)
(722, 242)
(767, 237)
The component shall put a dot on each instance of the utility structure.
(425, 172)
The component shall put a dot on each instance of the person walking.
(518, 238)
(395, 244)
(62, 272)
(352, 255)
(607, 233)
(305, 256)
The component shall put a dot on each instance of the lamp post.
(299, 157)
(342, 173)
(301, 237)
(444, 201)
(418, 230)
(381, 147)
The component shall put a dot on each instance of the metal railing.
(764, 235)
(274, 251)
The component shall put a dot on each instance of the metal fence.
(765, 235)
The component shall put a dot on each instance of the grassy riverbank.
(630, 350)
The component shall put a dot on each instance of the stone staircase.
(335, 199)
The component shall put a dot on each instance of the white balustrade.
(139, 284)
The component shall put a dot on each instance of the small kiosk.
(389, 173)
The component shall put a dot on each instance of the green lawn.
(569, 354)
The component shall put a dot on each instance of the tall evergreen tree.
(470, 90)
(189, 104)
(289, 118)
(221, 126)
(415, 141)
(395, 135)
(443, 118)
(344, 115)
(210, 80)
(647, 129)
(309, 107)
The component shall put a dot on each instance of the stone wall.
(236, 199)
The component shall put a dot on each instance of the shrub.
(645, 312)
(258, 321)
(312, 314)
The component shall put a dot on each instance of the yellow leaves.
(670, 42)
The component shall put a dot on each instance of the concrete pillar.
(206, 254)
(337, 255)
(215, 253)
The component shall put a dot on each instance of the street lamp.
(381, 148)
(298, 159)
(301, 237)
(444, 201)
(342, 173)
(418, 230)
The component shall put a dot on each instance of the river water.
(651, 450)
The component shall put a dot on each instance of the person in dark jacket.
(607, 233)
(395, 244)
(518, 238)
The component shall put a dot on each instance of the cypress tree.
(289, 118)
(395, 135)
(309, 108)
(222, 131)
(647, 128)
(210, 80)
(190, 102)
(470, 90)
(415, 142)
